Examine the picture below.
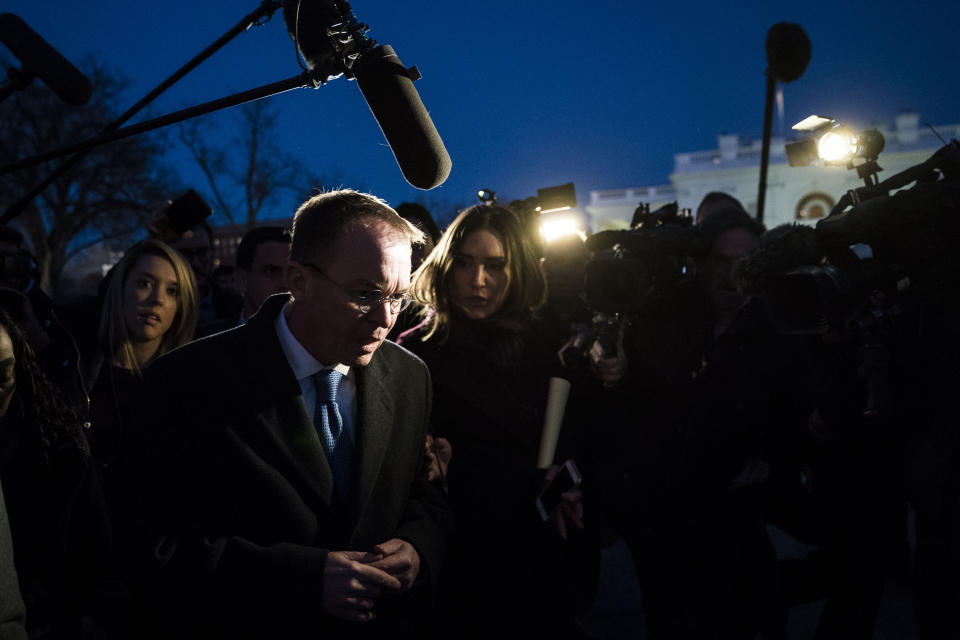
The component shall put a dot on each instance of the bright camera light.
(554, 228)
(836, 145)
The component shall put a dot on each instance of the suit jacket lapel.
(375, 404)
(288, 438)
(303, 443)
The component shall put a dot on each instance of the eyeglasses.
(366, 300)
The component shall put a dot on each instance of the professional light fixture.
(559, 198)
(540, 209)
(558, 213)
(832, 143)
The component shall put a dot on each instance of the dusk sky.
(535, 94)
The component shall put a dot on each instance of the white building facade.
(794, 194)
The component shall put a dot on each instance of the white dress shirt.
(305, 365)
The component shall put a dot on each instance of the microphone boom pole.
(265, 11)
(788, 53)
(765, 149)
(301, 81)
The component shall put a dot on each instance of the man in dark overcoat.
(278, 480)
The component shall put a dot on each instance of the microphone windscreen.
(779, 250)
(307, 22)
(43, 61)
(788, 51)
(388, 89)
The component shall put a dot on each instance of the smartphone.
(567, 480)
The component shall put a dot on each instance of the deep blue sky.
(533, 94)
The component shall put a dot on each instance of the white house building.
(794, 194)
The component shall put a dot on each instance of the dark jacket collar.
(266, 362)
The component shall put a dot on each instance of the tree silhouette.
(251, 163)
(107, 197)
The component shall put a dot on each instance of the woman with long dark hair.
(510, 574)
(57, 521)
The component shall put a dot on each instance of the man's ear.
(297, 279)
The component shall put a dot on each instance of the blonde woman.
(150, 308)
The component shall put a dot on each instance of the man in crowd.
(714, 202)
(262, 266)
(184, 226)
(281, 476)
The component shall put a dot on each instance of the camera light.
(557, 227)
(836, 145)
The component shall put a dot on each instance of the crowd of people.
(341, 435)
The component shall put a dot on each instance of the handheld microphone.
(43, 61)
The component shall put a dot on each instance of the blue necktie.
(326, 416)
(329, 423)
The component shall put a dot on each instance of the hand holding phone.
(567, 479)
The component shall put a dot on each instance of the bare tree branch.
(103, 195)
(253, 163)
(210, 161)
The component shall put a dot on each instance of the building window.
(814, 206)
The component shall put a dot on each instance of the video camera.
(636, 275)
(631, 266)
(900, 248)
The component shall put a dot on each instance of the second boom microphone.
(43, 61)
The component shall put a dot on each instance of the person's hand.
(754, 472)
(610, 369)
(570, 508)
(351, 583)
(439, 452)
(398, 559)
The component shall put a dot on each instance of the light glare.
(835, 146)
(553, 229)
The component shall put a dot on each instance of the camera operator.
(877, 284)
(709, 396)
(839, 485)
(564, 316)
(713, 202)
(742, 410)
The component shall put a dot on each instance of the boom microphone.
(331, 41)
(788, 51)
(387, 86)
(779, 250)
(43, 61)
